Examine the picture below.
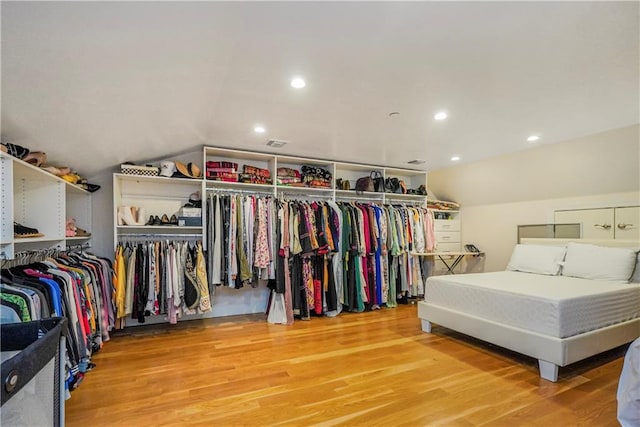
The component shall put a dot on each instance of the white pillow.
(599, 262)
(538, 259)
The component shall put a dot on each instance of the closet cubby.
(157, 196)
(35, 198)
(242, 159)
(352, 172)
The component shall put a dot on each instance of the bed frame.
(550, 351)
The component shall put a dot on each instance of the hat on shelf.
(189, 170)
(167, 168)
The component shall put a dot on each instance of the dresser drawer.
(448, 247)
(446, 225)
(447, 236)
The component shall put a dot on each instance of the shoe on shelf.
(36, 158)
(128, 215)
(150, 220)
(70, 228)
(173, 220)
(164, 220)
(20, 231)
(157, 220)
(57, 171)
(140, 215)
(82, 233)
(15, 150)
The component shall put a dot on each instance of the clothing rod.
(374, 198)
(161, 236)
(233, 190)
(294, 195)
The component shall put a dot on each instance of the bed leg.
(426, 326)
(548, 370)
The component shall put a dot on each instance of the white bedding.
(558, 306)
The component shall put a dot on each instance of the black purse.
(378, 181)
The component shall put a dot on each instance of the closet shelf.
(364, 194)
(213, 185)
(37, 239)
(396, 196)
(158, 179)
(169, 228)
(285, 188)
(78, 238)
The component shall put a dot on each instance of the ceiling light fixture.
(455, 158)
(259, 129)
(440, 115)
(298, 83)
(533, 138)
(276, 143)
(416, 162)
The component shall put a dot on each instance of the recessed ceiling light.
(533, 138)
(440, 115)
(259, 129)
(455, 158)
(298, 83)
(416, 162)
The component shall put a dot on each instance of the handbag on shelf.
(391, 185)
(378, 181)
(373, 182)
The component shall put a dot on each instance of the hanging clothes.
(75, 285)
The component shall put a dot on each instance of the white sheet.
(552, 305)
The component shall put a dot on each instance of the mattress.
(558, 306)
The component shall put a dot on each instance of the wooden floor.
(374, 368)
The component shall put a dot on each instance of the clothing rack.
(167, 236)
(238, 191)
(36, 255)
(293, 196)
(356, 197)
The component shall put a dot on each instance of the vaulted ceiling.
(97, 83)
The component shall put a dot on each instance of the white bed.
(557, 319)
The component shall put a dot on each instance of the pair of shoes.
(82, 233)
(55, 170)
(15, 150)
(71, 178)
(91, 188)
(70, 228)
(20, 231)
(36, 158)
(131, 215)
(156, 220)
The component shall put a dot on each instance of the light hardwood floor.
(375, 368)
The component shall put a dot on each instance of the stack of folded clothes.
(288, 176)
(222, 171)
(313, 176)
(255, 175)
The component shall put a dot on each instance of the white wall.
(602, 163)
(498, 194)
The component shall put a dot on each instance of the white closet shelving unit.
(350, 171)
(35, 198)
(158, 196)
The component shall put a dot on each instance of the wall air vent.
(416, 162)
(276, 143)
